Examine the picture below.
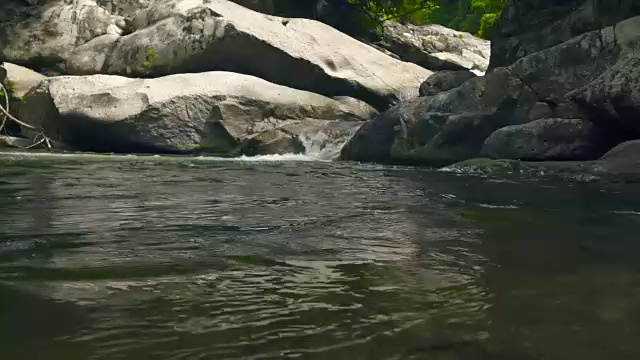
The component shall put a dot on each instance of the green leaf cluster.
(151, 56)
(474, 16)
(3, 96)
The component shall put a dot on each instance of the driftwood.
(4, 110)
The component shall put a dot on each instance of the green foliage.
(150, 58)
(486, 23)
(3, 96)
(475, 16)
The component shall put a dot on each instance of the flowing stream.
(143, 257)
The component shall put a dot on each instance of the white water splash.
(323, 146)
(319, 146)
(262, 158)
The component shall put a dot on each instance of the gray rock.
(569, 110)
(622, 163)
(613, 98)
(20, 79)
(551, 76)
(446, 128)
(625, 151)
(573, 170)
(43, 35)
(547, 139)
(529, 27)
(212, 112)
(436, 47)
(445, 80)
(602, 64)
(82, 38)
(540, 110)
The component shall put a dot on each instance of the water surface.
(126, 257)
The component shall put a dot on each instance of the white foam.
(321, 146)
(626, 213)
(488, 206)
(318, 146)
(262, 158)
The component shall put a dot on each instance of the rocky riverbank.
(117, 75)
(564, 84)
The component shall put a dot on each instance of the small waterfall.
(325, 146)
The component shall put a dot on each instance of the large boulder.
(445, 80)
(527, 27)
(42, 35)
(20, 80)
(547, 139)
(214, 112)
(614, 96)
(449, 127)
(177, 36)
(436, 47)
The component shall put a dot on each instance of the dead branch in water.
(4, 110)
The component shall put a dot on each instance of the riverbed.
(147, 257)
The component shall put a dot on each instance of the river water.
(127, 257)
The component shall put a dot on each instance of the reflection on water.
(181, 258)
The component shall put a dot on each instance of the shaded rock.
(528, 27)
(555, 72)
(569, 110)
(574, 170)
(540, 111)
(484, 166)
(625, 151)
(613, 98)
(547, 139)
(436, 47)
(211, 112)
(263, 6)
(601, 64)
(274, 141)
(442, 129)
(445, 80)
(14, 142)
(620, 164)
